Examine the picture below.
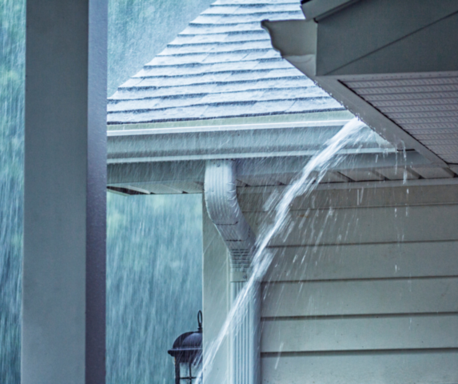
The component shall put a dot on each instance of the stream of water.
(141, 323)
(303, 185)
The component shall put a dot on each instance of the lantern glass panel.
(185, 373)
(196, 367)
(189, 371)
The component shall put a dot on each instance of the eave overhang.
(394, 64)
(172, 159)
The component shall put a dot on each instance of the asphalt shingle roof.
(222, 65)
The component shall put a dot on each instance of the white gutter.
(302, 138)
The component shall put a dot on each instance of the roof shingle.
(222, 65)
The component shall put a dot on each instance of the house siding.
(363, 287)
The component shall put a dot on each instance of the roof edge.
(241, 121)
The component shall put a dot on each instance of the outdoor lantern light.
(187, 354)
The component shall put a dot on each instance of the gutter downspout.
(220, 191)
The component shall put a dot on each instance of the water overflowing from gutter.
(303, 185)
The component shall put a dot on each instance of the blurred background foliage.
(154, 242)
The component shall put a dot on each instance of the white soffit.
(424, 105)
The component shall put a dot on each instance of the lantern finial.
(199, 321)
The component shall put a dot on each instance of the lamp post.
(187, 354)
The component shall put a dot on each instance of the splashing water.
(304, 184)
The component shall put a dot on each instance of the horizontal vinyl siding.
(361, 333)
(334, 298)
(383, 367)
(363, 287)
(354, 198)
(389, 260)
(364, 225)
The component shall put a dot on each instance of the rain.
(338, 263)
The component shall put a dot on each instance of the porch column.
(63, 326)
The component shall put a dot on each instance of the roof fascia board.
(318, 9)
(377, 24)
(412, 54)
